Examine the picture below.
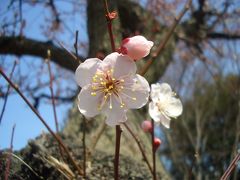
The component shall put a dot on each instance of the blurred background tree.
(201, 62)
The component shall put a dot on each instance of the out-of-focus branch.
(24, 46)
(219, 35)
(168, 35)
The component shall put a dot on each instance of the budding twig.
(110, 17)
(52, 97)
(55, 136)
(164, 42)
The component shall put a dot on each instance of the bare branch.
(24, 46)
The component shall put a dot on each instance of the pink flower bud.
(136, 47)
(147, 126)
(157, 142)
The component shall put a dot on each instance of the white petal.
(121, 64)
(156, 115)
(154, 112)
(88, 104)
(165, 121)
(136, 95)
(116, 115)
(86, 71)
(174, 107)
(158, 90)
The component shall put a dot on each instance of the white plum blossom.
(136, 47)
(164, 104)
(110, 87)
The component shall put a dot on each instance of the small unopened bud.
(146, 126)
(136, 47)
(157, 142)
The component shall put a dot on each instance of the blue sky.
(17, 112)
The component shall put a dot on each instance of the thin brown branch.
(117, 150)
(76, 46)
(53, 98)
(164, 42)
(9, 158)
(231, 167)
(51, 90)
(84, 147)
(7, 93)
(153, 153)
(55, 136)
(135, 137)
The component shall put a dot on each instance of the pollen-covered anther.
(122, 105)
(134, 98)
(93, 94)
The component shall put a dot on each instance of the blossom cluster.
(111, 86)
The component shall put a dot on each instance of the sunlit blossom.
(164, 104)
(136, 47)
(110, 87)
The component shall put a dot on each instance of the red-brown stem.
(117, 150)
(52, 97)
(7, 93)
(51, 90)
(118, 128)
(9, 158)
(167, 37)
(84, 120)
(109, 24)
(231, 167)
(135, 137)
(55, 136)
(153, 153)
(84, 147)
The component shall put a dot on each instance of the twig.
(9, 158)
(117, 150)
(7, 93)
(84, 147)
(140, 146)
(76, 45)
(164, 42)
(51, 89)
(69, 52)
(231, 167)
(109, 18)
(153, 152)
(55, 136)
(53, 98)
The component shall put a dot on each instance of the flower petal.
(160, 90)
(136, 95)
(121, 64)
(88, 104)
(116, 115)
(165, 121)
(153, 112)
(86, 71)
(156, 115)
(174, 107)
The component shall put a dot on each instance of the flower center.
(108, 86)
